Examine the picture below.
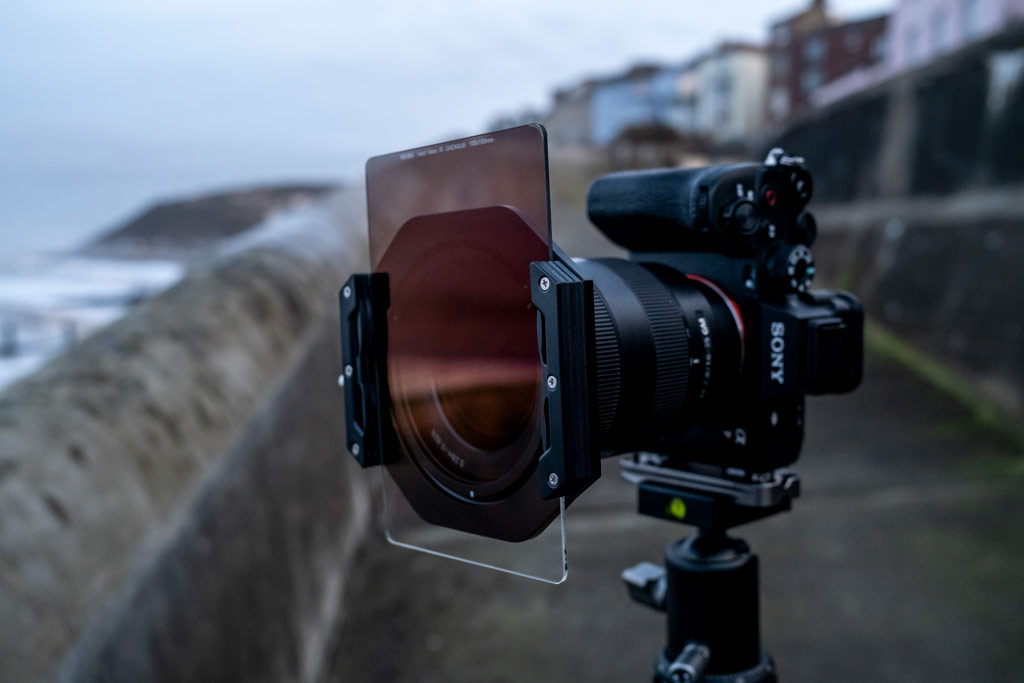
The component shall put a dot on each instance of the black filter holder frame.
(570, 460)
(363, 303)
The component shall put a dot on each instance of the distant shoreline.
(181, 229)
(51, 300)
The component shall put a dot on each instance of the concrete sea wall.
(175, 496)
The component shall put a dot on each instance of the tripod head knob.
(689, 666)
(647, 584)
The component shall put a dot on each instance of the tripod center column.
(713, 599)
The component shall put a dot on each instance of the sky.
(108, 105)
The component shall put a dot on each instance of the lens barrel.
(668, 348)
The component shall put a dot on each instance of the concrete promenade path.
(902, 561)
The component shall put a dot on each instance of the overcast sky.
(108, 104)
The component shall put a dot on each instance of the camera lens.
(463, 367)
(669, 348)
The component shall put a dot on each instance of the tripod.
(709, 585)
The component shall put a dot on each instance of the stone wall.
(945, 277)
(918, 186)
(175, 495)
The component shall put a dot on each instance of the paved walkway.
(902, 561)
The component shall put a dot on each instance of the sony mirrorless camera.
(490, 373)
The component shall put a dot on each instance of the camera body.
(741, 235)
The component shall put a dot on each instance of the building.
(595, 112)
(922, 30)
(812, 48)
(718, 96)
(644, 96)
(729, 92)
(569, 122)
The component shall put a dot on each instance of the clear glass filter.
(455, 226)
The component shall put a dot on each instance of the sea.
(50, 294)
(49, 301)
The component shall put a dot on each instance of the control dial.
(742, 217)
(791, 268)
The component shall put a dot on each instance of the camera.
(709, 336)
(490, 373)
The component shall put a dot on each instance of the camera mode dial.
(791, 269)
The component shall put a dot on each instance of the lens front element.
(464, 371)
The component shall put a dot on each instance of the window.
(811, 80)
(723, 83)
(722, 115)
(779, 103)
(879, 48)
(970, 12)
(780, 64)
(913, 45)
(940, 37)
(853, 39)
(688, 85)
(641, 88)
(814, 49)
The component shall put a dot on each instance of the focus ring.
(668, 331)
(609, 365)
